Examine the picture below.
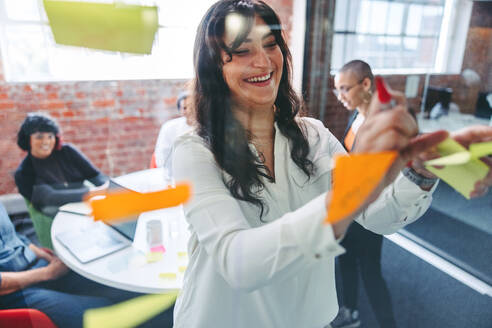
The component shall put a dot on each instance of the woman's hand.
(385, 130)
(474, 134)
(43, 253)
(99, 190)
(55, 268)
(394, 129)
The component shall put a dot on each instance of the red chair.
(25, 318)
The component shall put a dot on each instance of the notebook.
(98, 239)
(93, 242)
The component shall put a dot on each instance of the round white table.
(129, 268)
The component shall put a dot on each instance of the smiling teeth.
(260, 78)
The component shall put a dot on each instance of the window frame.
(447, 41)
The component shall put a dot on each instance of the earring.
(366, 98)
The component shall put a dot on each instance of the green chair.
(42, 225)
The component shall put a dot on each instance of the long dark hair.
(226, 137)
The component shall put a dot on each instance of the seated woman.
(52, 173)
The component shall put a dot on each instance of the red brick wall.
(115, 123)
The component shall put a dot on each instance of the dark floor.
(425, 297)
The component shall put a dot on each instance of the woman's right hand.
(393, 129)
(384, 130)
(99, 190)
(55, 269)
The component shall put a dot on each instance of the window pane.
(338, 53)
(341, 15)
(372, 17)
(395, 18)
(26, 10)
(419, 52)
(178, 13)
(414, 20)
(354, 14)
(30, 53)
(424, 20)
(425, 2)
(26, 49)
(432, 20)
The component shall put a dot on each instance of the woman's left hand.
(474, 134)
(99, 190)
(394, 129)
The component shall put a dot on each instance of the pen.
(383, 94)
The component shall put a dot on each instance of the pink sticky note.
(158, 249)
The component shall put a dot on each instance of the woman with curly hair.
(52, 173)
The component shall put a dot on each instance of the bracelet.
(418, 179)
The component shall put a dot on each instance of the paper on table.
(80, 208)
(462, 168)
(121, 204)
(354, 178)
(130, 313)
(153, 257)
(105, 26)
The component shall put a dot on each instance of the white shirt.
(246, 273)
(169, 132)
(356, 124)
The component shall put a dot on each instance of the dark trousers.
(66, 299)
(363, 254)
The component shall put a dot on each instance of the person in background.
(52, 173)
(171, 130)
(260, 254)
(354, 87)
(34, 277)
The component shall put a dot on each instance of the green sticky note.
(481, 149)
(131, 313)
(105, 26)
(455, 159)
(460, 175)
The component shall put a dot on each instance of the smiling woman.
(52, 173)
(260, 255)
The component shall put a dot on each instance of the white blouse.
(278, 273)
(168, 134)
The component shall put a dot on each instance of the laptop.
(97, 239)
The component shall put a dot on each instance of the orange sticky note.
(354, 178)
(122, 204)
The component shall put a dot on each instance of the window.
(29, 52)
(394, 36)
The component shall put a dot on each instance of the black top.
(57, 179)
(351, 120)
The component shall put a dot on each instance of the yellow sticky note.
(454, 159)
(153, 257)
(182, 254)
(481, 149)
(462, 176)
(182, 268)
(105, 26)
(131, 313)
(167, 275)
(354, 178)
